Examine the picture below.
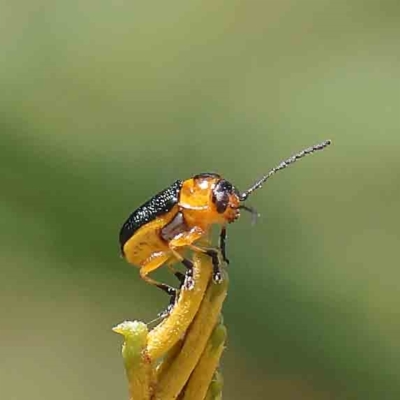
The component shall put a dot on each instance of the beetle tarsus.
(217, 276)
(215, 259)
(188, 277)
(172, 300)
(189, 282)
(167, 289)
(167, 311)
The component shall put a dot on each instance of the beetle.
(174, 220)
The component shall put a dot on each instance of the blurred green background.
(104, 103)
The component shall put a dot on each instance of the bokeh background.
(104, 103)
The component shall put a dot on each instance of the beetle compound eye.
(221, 200)
(221, 193)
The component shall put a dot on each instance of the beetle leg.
(166, 312)
(172, 292)
(163, 286)
(222, 243)
(178, 274)
(215, 258)
(188, 277)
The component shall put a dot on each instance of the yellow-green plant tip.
(135, 334)
(202, 376)
(164, 336)
(129, 328)
(137, 362)
(175, 377)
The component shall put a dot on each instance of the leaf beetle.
(174, 220)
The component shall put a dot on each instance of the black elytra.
(158, 205)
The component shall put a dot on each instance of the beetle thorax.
(206, 200)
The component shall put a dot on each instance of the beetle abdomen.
(157, 206)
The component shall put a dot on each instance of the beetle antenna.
(283, 165)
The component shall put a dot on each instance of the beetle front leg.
(214, 254)
(222, 243)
